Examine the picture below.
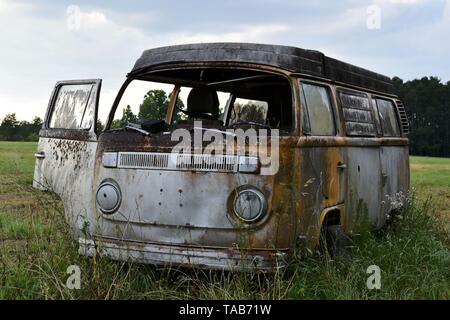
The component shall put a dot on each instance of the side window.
(388, 118)
(318, 116)
(249, 110)
(73, 107)
(358, 115)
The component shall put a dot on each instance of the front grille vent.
(178, 161)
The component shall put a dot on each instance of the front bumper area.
(175, 255)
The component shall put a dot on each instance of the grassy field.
(431, 178)
(35, 251)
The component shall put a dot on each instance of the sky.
(42, 42)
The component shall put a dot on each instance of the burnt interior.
(273, 89)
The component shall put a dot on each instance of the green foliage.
(427, 102)
(13, 130)
(413, 255)
(155, 105)
(100, 125)
(127, 116)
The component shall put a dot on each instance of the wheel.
(336, 242)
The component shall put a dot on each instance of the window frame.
(232, 99)
(95, 90)
(397, 119)
(295, 127)
(359, 93)
(334, 112)
(153, 76)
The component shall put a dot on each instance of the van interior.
(220, 97)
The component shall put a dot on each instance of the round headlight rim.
(261, 196)
(114, 185)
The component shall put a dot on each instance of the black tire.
(336, 242)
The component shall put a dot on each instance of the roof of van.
(296, 60)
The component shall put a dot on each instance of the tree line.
(427, 103)
(12, 129)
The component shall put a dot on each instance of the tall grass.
(35, 251)
(413, 255)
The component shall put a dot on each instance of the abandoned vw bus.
(225, 156)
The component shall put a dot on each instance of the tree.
(127, 116)
(100, 126)
(8, 126)
(10, 120)
(427, 103)
(155, 105)
(13, 130)
(37, 122)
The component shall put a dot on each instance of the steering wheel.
(203, 115)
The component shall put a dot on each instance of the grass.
(35, 251)
(431, 178)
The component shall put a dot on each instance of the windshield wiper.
(215, 130)
(138, 130)
(251, 123)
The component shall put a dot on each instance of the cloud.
(446, 15)
(245, 33)
(39, 47)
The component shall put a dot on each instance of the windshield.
(219, 97)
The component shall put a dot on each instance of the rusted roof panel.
(297, 60)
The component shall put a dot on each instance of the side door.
(394, 155)
(363, 199)
(66, 149)
(322, 158)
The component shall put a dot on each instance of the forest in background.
(427, 103)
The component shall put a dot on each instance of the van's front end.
(207, 181)
(213, 211)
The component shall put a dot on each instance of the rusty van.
(342, 148)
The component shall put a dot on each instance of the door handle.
(341, 165)
(40, 155)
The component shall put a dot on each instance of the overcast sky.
(45, 41)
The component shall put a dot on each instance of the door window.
(74, 107)
(318, 116)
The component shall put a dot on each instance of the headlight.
(249, 204)
(108, 197)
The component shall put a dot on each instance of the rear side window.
(358, 115)
(249, 110)
(388, 118)
(73, 108)
(318, 116)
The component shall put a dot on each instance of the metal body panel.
(394, 177)
(170, 255)
(65, 158)
(67, 170)
(192, 207)
(364, 186)
(322, 185)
